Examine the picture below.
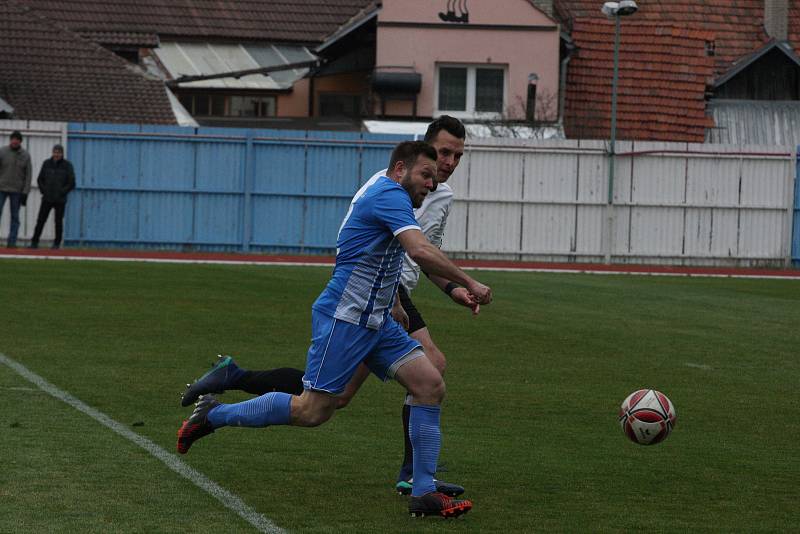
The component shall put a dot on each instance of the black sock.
(407, 470)
(285, 380)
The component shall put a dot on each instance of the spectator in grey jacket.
(15, 181)
(56, 180)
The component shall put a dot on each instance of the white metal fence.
(38, 139)
(674, 203)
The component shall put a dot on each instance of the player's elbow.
(419, 253)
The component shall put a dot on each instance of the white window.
(470, 91)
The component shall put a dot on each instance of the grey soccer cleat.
(217, 380)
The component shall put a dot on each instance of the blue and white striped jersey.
(369, 257)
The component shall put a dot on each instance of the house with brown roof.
(692, 71)
(48, 71)
(275, 63)
(229, 62)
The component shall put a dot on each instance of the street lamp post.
(614, 10)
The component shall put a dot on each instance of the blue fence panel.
(216, 188)
(376, 151)
(166, 217)
(796, 232)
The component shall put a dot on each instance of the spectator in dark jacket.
(56, 180)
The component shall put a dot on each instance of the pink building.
(473, 59)
(476, 60)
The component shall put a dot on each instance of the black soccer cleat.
(403, 487)
(437, 504)
(214, 381)
(197, 425)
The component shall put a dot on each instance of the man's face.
(419, 179)
(14, 143)
(449, 150)
(57, 155)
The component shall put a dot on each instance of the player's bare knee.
(311, 417)
(343, 401)
(430, 391)
(438, 391)
(310, 411)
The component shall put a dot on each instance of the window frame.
(227, 97)
(470, 112)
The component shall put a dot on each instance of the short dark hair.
(451, 125)
(409, 151)
(16, 135)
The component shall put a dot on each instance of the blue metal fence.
(217, 189)
(796, 230)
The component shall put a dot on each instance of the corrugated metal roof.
(192, 59)
(754, 122)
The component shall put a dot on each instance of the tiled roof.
(138, 39)
(50, 73)
(794, 23)
(662, 79)
(663, 75)
(738, 26)
(300, 21)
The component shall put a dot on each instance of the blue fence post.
(249, 180)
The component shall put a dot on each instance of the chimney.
(776, 18)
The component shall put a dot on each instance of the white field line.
(228, 499)
(576, 270)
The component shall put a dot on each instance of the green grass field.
(529, 424)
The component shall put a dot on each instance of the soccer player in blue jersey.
(352, 324)
(445, 134)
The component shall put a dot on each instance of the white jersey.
(432, 218)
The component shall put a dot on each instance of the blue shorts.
(338, 347)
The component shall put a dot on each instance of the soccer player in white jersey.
(446, 134)
(352, 325)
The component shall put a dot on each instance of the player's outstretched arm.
(433, 261)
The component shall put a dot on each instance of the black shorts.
(415, 320)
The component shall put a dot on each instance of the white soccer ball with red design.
(647, 416)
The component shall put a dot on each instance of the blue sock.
(426, 438)
(269, 409)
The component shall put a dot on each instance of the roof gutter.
(347, 29)
(562, 89)
(240, 73)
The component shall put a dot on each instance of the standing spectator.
(56, 180)
(15, 181)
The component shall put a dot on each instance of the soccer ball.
(647, 416)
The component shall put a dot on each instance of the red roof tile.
(738, 26)
(301, 21)
(134, 39)
(794, 23)
(667, 62)
(663, 75)
(50, 73)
